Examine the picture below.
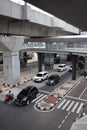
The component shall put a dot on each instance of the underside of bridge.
(71, 11)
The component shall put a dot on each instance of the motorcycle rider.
(9, 96)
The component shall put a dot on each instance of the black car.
(26, 95)
(53, 79)
(83, 73)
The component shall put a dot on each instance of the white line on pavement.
(78, 110)
(66, 105)
(41, 98)
(63, 121)
(82, 92)
(37, 98)
(74, 108)
(44, 91)
(61, 103)
(77, 98)
(59, 126)
(73, 88)
(70, 106)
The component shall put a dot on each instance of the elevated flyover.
(22, 20)
(71, 11)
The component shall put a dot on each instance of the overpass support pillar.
(11, 64)
(74, 62)
(48, 61)
(40, 61)
(85, 67)
(11, 67)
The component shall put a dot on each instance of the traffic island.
(47, 104)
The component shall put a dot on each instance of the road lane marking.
(37, 98)
(66, 105)
(44, 91)
(63, 121)
(61, 103)
(59, 126)
(76, 85)
(41, 99)
(69, 107)
(74, 108)
(76, 98)
(66, 116)
(78, 110)
(82, 92)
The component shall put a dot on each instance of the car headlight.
(24, 99)
(52, 81)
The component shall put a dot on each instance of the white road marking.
(82, 92)
(61, 103)
(73, 88)
(44, 91)
(59, 126)
(66, 105)
(37, 98)
(41, 98)
(78, 110)
(74, 108)
(66, 116)
(63, 121)
(69, 107)
(77, 98)
(38, 94)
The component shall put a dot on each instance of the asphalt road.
(26, 118)
(63, 79)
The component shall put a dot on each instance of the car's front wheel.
(27, 102)
(53, 83)
(41, 80)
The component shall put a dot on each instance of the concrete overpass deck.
(22, 20)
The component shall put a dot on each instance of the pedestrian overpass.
(73, 44)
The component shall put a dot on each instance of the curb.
(73, 85)
(16, 85)
(44, 106)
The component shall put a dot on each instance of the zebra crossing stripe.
(66, 105)
(61, 103)
(69, 107)
(41, 98)
(78, 110)
(37, 98)
(74, 108)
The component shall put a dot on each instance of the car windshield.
(24, 92)
(61, 66)
(51, 77)
(39, 75)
